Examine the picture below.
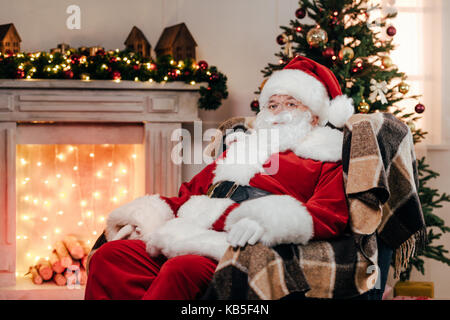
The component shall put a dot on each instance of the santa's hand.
(245, 231)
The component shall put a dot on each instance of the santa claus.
(287, 188)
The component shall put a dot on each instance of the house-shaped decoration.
(176, 41)
(9, 38)
(137, 42)
(62, 48)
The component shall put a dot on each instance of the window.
(418, 54)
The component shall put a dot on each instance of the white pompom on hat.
(315, 86)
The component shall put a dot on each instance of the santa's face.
(289, 117)
(282, 102)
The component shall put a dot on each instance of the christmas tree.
(346, 39)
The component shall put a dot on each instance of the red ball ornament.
(116, 75)
(214, 77)
(281, 40)
(20, 74)
(328, 52)
(112, 59)
(391, 31)
(420, 108)
(136, 67)
(254, 105)
(100, 52)
(300, 13)
(75, 59)
(68, 74)
(203, 65)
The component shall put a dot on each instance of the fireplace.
(70, 152)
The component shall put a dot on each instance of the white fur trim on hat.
(311, 92)
(300, 85)
(341, 109)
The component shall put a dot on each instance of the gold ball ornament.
(411, 126)
(346, 53)
(364, 107)
(316, 37)
(387, 62)
(403, 87)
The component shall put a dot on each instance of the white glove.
(245, 231)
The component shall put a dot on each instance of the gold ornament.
(316, 37)
(411, 126)
(346, 53)
(403, 87)
(387, 62)
(364, 107)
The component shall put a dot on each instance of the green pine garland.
(354, 76)
(117, 65)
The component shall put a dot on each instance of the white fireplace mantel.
(95, 111)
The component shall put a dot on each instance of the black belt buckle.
(222, 189)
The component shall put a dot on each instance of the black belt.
(237, 193)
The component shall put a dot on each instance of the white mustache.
(284, 117)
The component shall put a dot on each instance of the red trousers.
(122, 269)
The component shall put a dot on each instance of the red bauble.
(281, 40)
(300, 13)
(100, 52)
(75, 58)
(328, 52)
(391, 31)
(20, 74)
(203, 65)
(254, 105)
(68, 74)
(214, 77)
(116, 75)
(420, 108)
(136, 67)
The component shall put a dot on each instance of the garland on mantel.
(117, 65)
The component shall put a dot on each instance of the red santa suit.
(307, 202)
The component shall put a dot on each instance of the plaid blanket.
(380, 176)
(341, 268)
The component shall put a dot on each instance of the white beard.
(292, 127)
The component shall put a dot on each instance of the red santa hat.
(315, 86)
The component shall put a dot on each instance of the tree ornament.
(288, 48)
(281, 39)
(300, 13)
(203, 64)
(387, 62)
(346, 53)
(411, 126)
(420, 108)
(116, 75)
(214, 77)
(391, 31)
(254, 105)
(316, 37)
(68, 74)
(20, 74)
(112, 59)
(378, 89)
(328, 53)
(403, 87)
(364, 107)
(75, 59)
(100, 52)
(136, 67)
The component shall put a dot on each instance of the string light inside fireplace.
(70, 189)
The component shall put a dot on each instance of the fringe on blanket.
(409, 249)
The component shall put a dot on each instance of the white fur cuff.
(284, 219)
(141, 216)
